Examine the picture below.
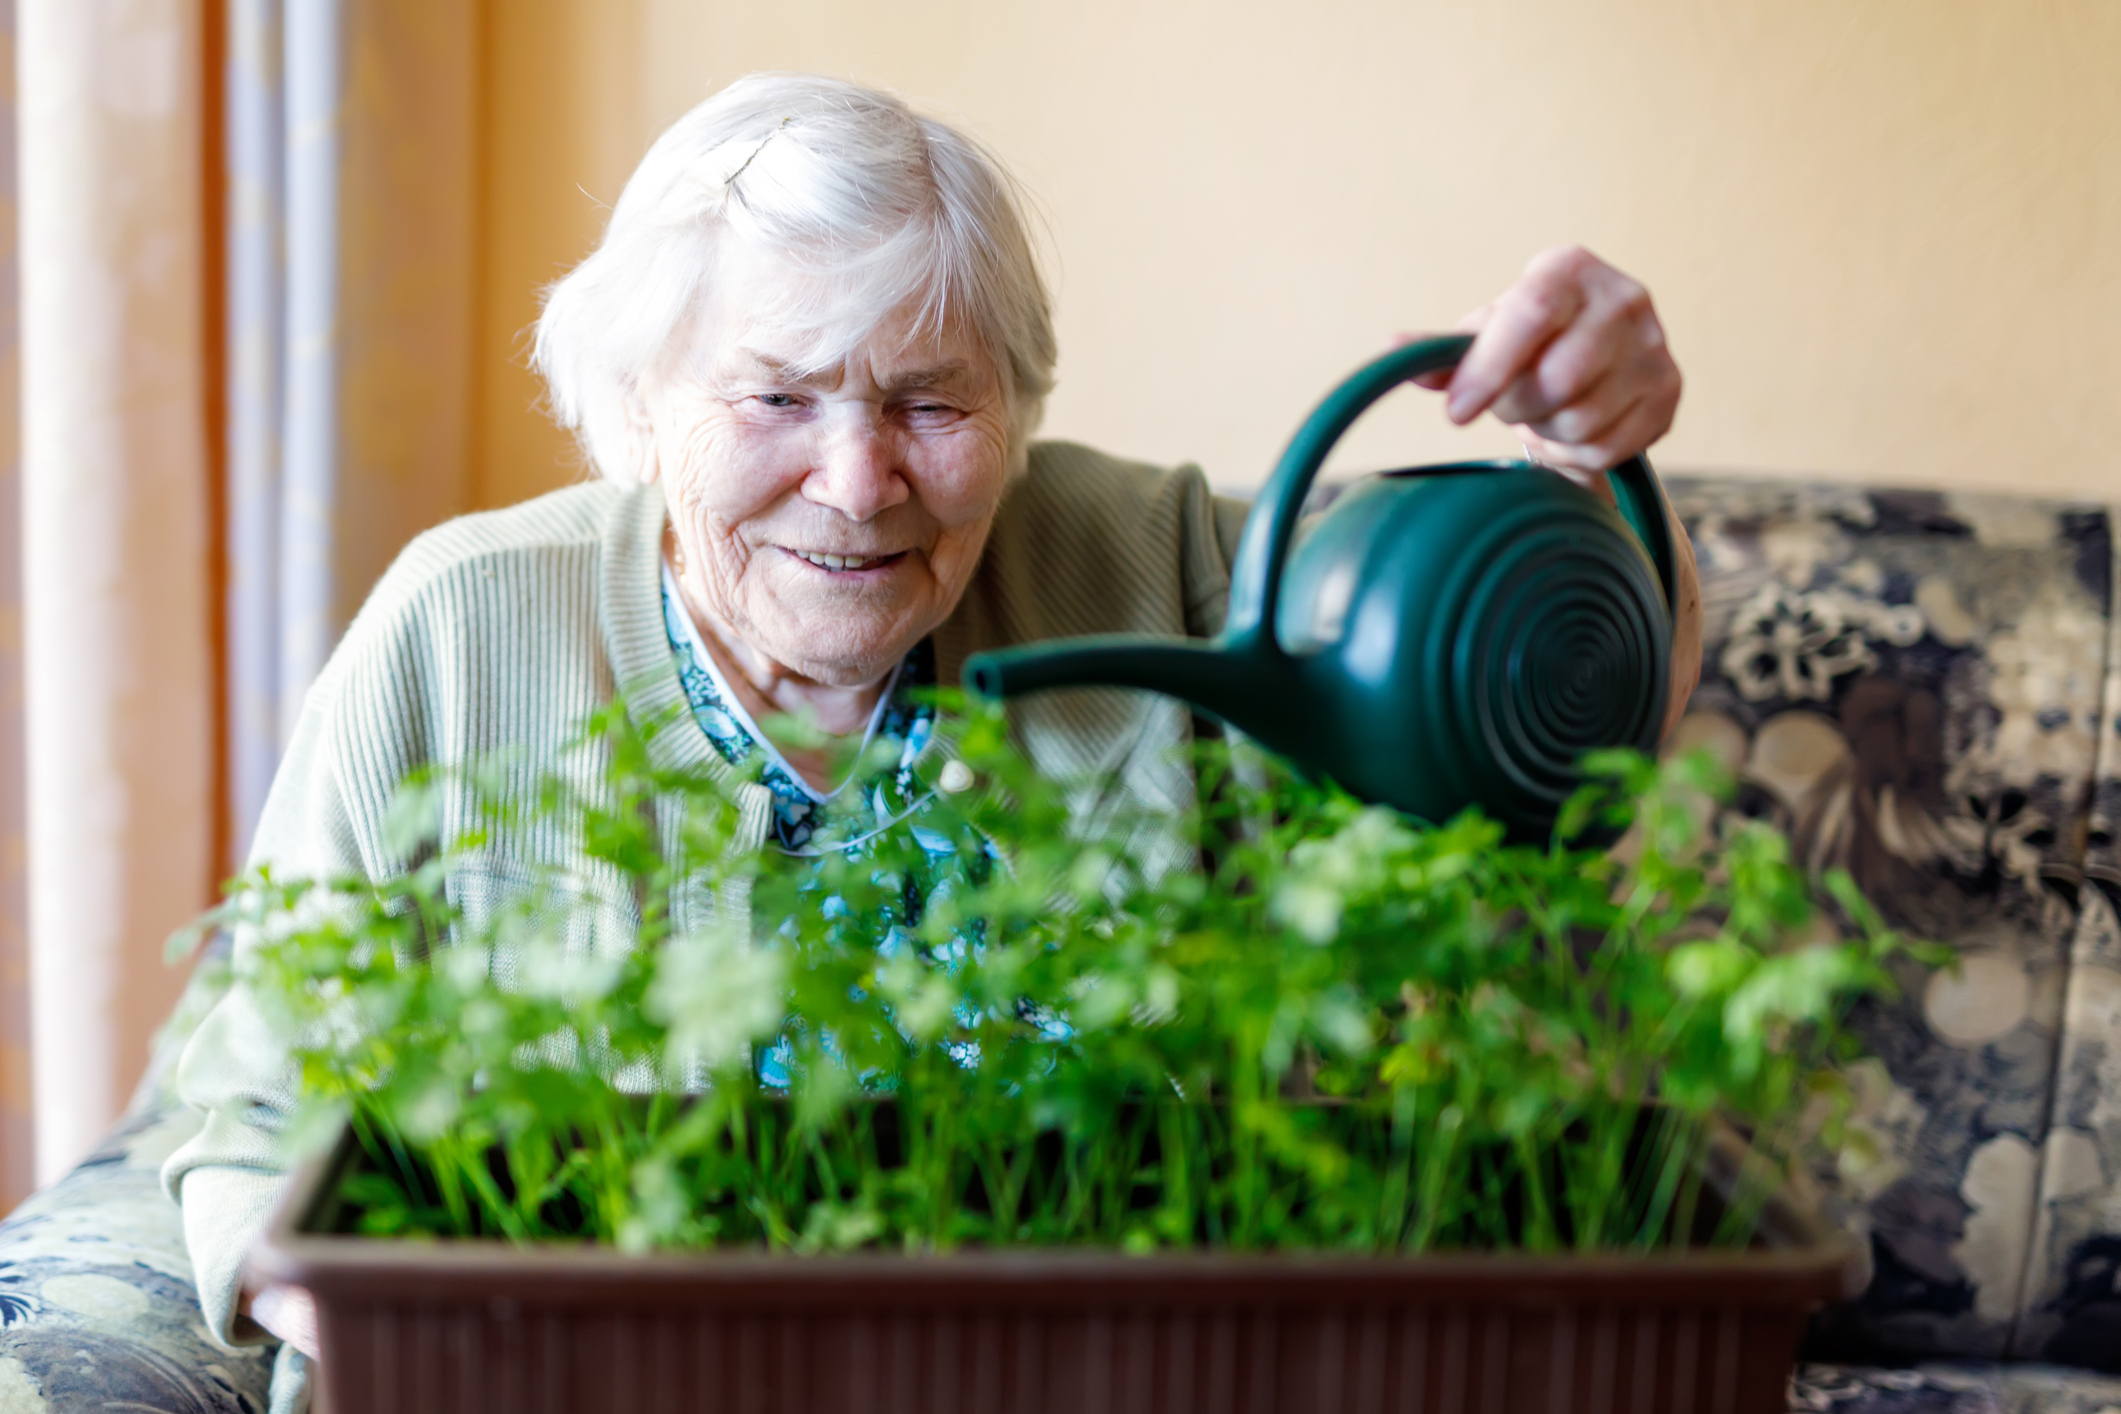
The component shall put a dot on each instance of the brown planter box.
(467, 1326)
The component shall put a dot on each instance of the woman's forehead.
(893, 356)
(765, 316)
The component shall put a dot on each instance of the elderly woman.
(806, 360)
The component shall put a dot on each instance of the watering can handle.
(1255, 574)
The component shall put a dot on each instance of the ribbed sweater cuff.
(225, 1211)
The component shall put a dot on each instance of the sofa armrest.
(97, 1307)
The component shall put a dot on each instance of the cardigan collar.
(644, 673)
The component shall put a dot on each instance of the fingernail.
(1457, 405)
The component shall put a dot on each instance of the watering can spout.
(1225, 684)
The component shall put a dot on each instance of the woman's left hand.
(1573, 357)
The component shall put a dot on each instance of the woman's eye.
(779, 400)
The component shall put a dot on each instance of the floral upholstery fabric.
(1920, 689)
(1953, 1389)
(97, 1307)
(2073, 1281)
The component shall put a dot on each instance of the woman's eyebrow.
(901, 381)
(782, 371)
(934, 376)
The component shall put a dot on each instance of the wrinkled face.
(827, 522)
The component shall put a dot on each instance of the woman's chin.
(846, 635)
(845, 654)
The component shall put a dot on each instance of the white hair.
(884, 209)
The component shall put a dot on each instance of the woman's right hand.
(288, 1312)
(1573, 357)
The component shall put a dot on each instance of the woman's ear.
(640, 435)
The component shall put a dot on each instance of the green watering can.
(1440, 637)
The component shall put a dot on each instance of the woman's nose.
(859, 473)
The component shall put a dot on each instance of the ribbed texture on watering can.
(1545, 643)
(1505, 1358)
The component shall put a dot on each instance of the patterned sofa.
(1926, 690)
(1923, 689)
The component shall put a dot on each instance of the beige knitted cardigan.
(505, 629)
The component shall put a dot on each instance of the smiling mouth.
(843, 564)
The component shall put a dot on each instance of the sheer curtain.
(116, 532)
(180, 591)
(353, 136)
(17, 1119)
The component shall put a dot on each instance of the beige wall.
(564, 125)
(1885, 234)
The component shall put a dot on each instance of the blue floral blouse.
(807, 821)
